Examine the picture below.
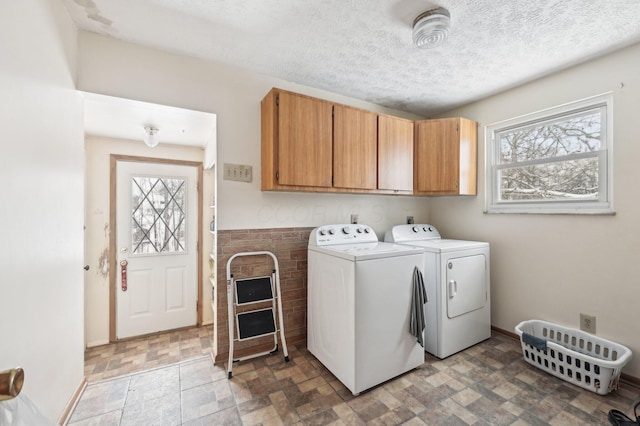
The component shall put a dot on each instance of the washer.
(359, 305)
(458, 311)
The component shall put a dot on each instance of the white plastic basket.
(580, 358)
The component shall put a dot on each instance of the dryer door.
(466, 282)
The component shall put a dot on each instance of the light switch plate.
(238, 172)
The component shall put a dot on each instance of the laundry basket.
(578, 357)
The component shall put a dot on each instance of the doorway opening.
(114, 127)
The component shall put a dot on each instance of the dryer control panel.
(342, 234)
(411, 232)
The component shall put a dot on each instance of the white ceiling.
(363, 48)
(126, 119)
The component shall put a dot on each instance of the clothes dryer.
(359, 304)
(457, 279)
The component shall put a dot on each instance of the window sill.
(564, 212)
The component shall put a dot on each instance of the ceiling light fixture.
(431, 28)
(151, 136)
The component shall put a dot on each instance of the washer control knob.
(331, 231)
(416, 229)
(346, 230)
(366, 230)
(322, 232)
(359, 230)
(430, 229)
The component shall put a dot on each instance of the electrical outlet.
(588, 323)
(354, 218)
(409, 220)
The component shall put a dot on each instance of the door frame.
(113, 264)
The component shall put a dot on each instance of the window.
(158, 215)
(553, 161)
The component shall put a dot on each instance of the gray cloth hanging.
(417, 321)
(536, 342)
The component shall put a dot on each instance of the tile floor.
(488, 384)
(135, 355)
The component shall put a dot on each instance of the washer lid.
(367, 251)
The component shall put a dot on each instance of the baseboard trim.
(625, 378)
(506, 333)
(97, 343)
(630, 380)
(73, 401)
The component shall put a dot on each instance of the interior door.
(157, 225)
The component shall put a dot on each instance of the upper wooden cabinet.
(445, 157)
(296, 141)
(310, 144)
(354, 148)
(395, 153)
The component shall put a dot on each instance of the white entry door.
(157, 221)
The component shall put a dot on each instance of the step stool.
(251, 324)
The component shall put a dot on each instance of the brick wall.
(289, 245)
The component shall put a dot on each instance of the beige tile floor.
(488, 384)
(135, 355)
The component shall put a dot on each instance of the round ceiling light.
(431, 28)
(151, 136)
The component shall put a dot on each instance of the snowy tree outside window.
(158, 216)
(552, 161)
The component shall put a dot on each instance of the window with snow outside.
(556, 161)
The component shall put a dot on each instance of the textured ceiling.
(363, 48)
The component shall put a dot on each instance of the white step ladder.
(251, 324)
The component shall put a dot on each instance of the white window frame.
(604, 203)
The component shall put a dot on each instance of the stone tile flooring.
(135, 355)
(488, 384)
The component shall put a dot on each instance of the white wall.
(126, 70)
(97, 152)
(554, 267)
(41, 167)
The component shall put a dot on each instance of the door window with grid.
(158, 217)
